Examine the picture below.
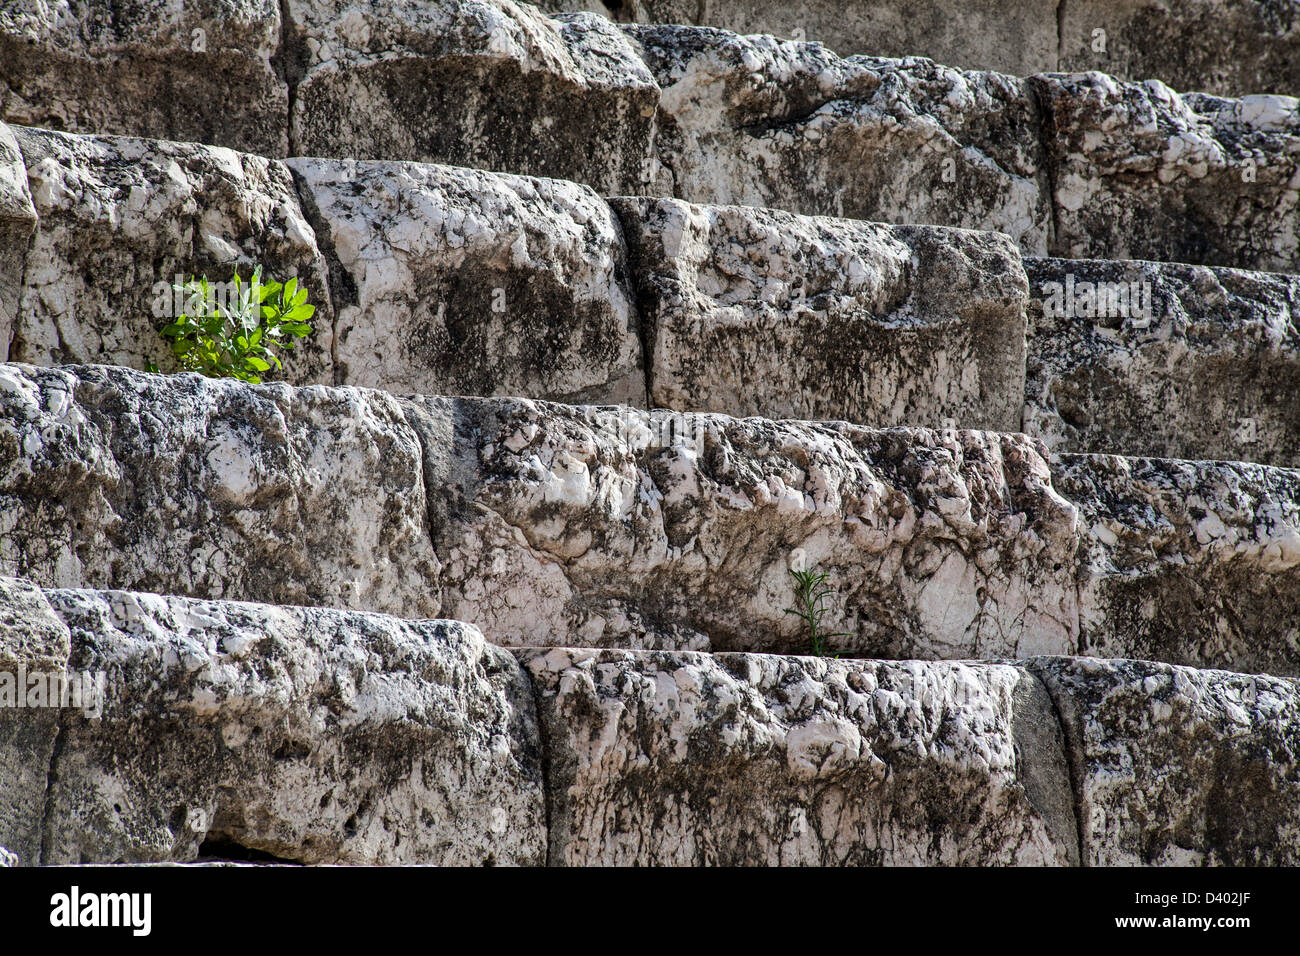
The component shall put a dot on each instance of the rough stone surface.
(17, 220)
(1188, 562)
(1220, 46)
(194, 70)
(1224, 47)
(312, 735)
(759, 121)
(621, 528)
(1142, 172)
(593, 526)
(187, 485)
(760, 312)
(120, 218)
(456, 281)
(738, 759)
(486, 83)
(601, 526)
(1210, 370)
(1175, 766)
(33, 640)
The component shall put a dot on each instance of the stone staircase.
(499, 572)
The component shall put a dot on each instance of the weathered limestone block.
(486, 83)
(1188, 562)
(1163, 359)
(312, 735)
(595, 526)
(1219, 46)
(757, 121)
(121, 218)
(213, 488)
(17, 220)
(194, 70)
(457, 281)
(1142, 172)
(625, 528)
(1183, 767)
(760, 312)
(33, 641)
(738, 759)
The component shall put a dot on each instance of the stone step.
(1224, 48)
(322, 736)
(448, 280)
(438, 279)
(608, 526)
(1162, 359)
(1078, 165)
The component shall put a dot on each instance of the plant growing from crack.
(234, 329)
(812, 589)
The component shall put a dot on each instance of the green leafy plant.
(812, 589)
(237, 334)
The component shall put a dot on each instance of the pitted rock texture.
(17, 221)
(186, 485)
(33, 640)
(1142, 172)
(1180, 767)
(1188, 562)
(606, 526)
(1166, 360)
(758, 121)
(311, 735)
(538, 522)
(120, 219)
(617, 527)
(761, 312)
(977, 34)
(738, 759)
(485, 83)
(456, 281)
(1220, 46)
(192, 70)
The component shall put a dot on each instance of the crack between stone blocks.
(634, 302)
(1046, 138)
(336, 277)
(51, 778)
(288, 50)
(1072, 762)
(543, 742)
(1060, 34)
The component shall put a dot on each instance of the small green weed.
(234, 332)
(811, 593)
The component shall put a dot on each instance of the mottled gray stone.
(739, 759)
(1226, 47)
(1182, 767)
(1220, 46)
(17, 220)
(33, 641)
(1187, 562)
(624, 528)
(486, 83)
(760, 312)
(213, 488)
(200, 70)
(1162, 359)
(758, 121)
(1142, 172)
(456, 281)
(121, 218)
(312, 735)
